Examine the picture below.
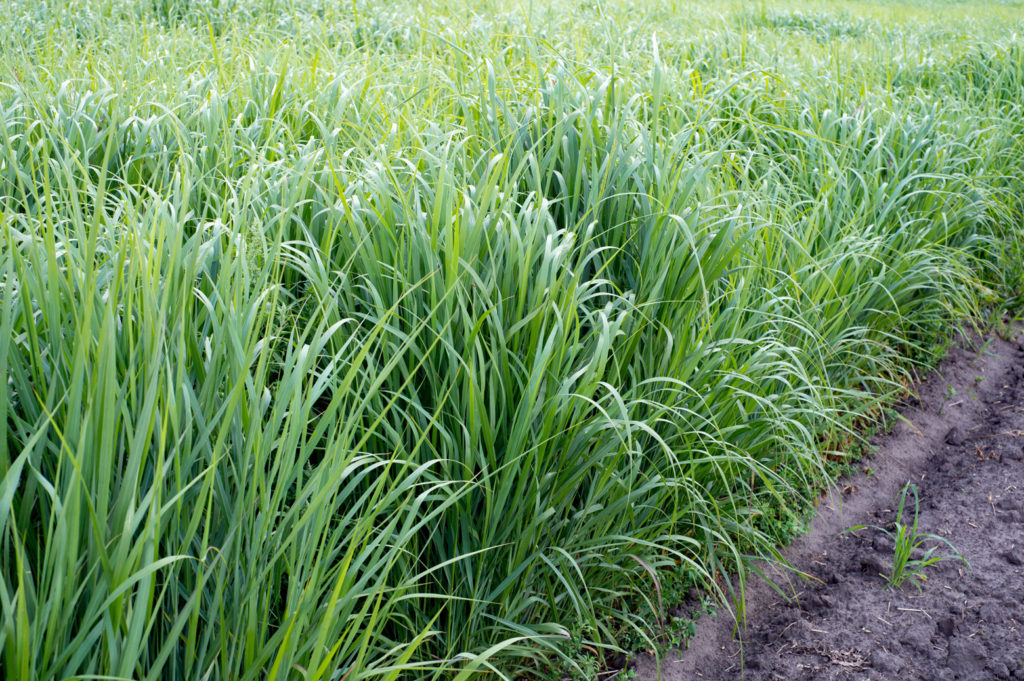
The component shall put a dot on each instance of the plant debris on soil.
(962, 444)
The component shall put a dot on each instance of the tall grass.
(349, 342)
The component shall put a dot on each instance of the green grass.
(910, 557)
(364, 340)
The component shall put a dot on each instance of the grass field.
(349, 340)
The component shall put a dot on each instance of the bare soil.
(962, 444)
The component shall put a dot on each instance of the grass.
(910, 557)
(350, 340)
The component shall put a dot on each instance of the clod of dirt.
(946, 626)
(874, 565)
(989, 613)
(919, 637)
(999, 670)
(954, 437)
(1013, 557)
(828, 576)
(799, 631)
(885, 662)
(816, 601)
(1008, 504)
(965, 656)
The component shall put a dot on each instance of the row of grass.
(343, 341)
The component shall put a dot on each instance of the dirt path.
(965, 453)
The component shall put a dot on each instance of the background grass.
(364, 340)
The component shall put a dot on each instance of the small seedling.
(907, 540)
(950, 394)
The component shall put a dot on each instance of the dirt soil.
(962, 444)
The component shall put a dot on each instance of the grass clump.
(345, 343)
(910, 557)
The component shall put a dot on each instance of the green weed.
(912, 554)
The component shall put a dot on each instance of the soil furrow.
(962, 445)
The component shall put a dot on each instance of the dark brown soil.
(962, 444)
